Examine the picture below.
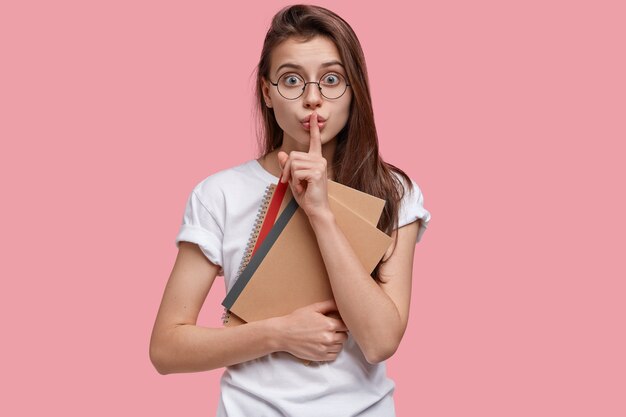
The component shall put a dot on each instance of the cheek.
(282, 117)
(344, 116)
(341, 118)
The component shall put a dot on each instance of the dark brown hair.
(356, 162)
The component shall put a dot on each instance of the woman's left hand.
(306, 173)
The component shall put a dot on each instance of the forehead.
(310, 54)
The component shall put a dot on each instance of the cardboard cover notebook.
(287, 270)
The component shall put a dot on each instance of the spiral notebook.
(283, 269)
(271, 202)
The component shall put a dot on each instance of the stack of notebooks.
(282, 268)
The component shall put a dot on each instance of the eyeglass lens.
(291, 85)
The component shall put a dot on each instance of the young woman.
(317, 124)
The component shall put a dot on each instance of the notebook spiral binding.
(254, 235)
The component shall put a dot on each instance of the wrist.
(322, 218)
(275, 338)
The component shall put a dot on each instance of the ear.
(265, 87)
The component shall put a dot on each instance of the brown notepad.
(288, 271)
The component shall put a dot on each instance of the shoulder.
(221, 180)
(411, 207)
(233, 181)
(407, 186)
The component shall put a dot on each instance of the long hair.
(356, 162)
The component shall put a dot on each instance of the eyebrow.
(324, 65)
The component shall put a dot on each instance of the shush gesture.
(306, 173)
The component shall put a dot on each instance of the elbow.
(158, 359)
(383, 347)
(380, 353)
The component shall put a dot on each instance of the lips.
(307, 125)
(306, 119)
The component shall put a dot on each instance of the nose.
(312, 96)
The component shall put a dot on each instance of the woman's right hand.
(309, 333)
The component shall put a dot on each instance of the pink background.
(509, 115)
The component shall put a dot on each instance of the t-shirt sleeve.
(201, 225)
(412, 209)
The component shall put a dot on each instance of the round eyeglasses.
(291, 86)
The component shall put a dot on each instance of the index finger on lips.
(315, 143)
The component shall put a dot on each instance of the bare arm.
(178, 345)
(376, 314)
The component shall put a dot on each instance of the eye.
(331, 79)
(291, 80)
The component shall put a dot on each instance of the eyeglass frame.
(312, 82)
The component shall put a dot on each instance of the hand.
(306, 173)
(309, 334)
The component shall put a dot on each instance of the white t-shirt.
(219, 218)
